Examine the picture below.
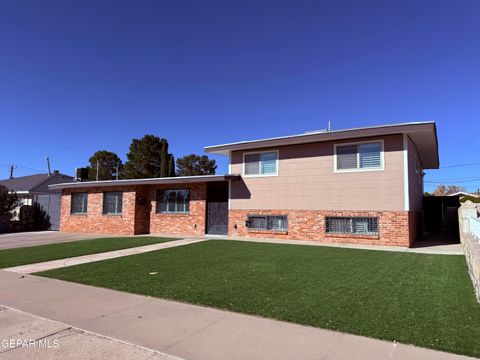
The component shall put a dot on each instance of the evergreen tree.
(108, 163)
(192, 165)
(171, 165)
(146, 157)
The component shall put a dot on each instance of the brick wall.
(394, 227)
(94, 221)
(192, 224)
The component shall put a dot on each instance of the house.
(362, 185)
(463, 193)
(35, 189)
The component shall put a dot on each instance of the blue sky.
(80, 76)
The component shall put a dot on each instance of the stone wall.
(470, 243)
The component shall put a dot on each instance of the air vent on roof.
(321, 130)
(315, 131)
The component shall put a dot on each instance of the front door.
(217, 218)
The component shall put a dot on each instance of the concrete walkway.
(56, 264)
(189, 331)
(433, 248)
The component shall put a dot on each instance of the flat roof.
(423, 134)
(149, 181)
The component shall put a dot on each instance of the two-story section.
(362, 185)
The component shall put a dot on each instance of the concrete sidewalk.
(55, 264)
(189, 331)
(25, 336)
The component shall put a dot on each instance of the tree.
(8, 201)
(193, 164)
(171, 166)
(443, 190)
(147, 158)
(108, 163)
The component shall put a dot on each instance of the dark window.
(173, 201)
(351, 225)
(112, 203)
(267, 222)
(79, 203)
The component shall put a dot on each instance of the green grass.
(35, 254)
(425, 300)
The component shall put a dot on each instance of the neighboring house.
(462, 194)
(35, 189)
(361, 185)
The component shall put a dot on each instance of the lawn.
(34, 254)
(425, 300)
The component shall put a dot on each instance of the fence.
(474, 227)
(470, 239)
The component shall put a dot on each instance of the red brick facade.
(139, 216)
(395, 228)
(191, 224)
(95, 221)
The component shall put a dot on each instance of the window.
(363, 156)
(173, 201)
(351, 225)
(261, 163)
(265, 222)
(79, 203)
(112, 203)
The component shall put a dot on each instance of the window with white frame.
(79, 203)
(264, 163)
(361, 156)
(112, 203)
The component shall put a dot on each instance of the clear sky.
(80, 76)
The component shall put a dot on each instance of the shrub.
(8, 201)
(34, 218)
(473, 199)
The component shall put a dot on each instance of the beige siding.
(415, 185)
(306, 181)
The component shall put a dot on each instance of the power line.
(22, 167)
(459, 182)
(459, 165)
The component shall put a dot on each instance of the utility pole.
(98, 166)
(116, 173)
(48, 165)
(11, 171)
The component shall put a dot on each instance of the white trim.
(229, 181)
(260, 152)
(382, 157)
(406, 191)
(322, 132)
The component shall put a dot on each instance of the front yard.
(425, 300)
(40, 253)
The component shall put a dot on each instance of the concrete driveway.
(24, 239)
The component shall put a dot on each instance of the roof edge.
(146, 181)
(212, 148)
